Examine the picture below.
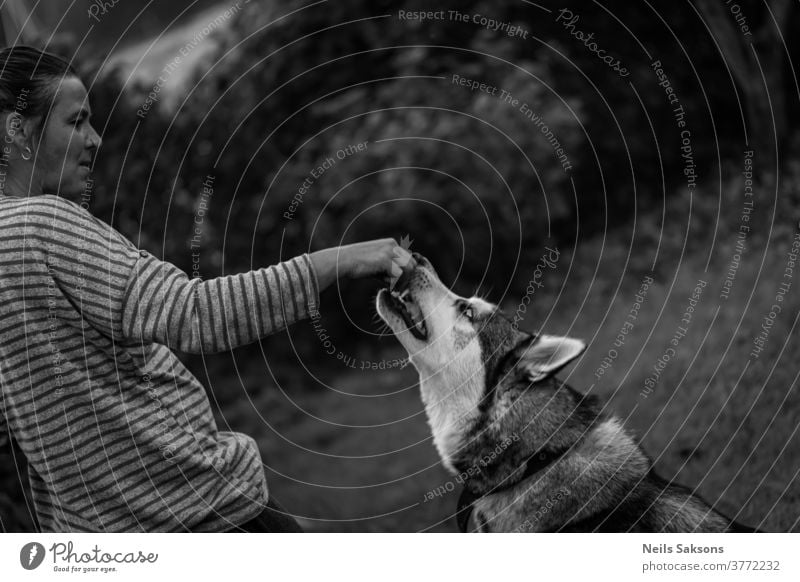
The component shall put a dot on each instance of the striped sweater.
(118, 434)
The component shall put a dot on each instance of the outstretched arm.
(131, 295)
(164, 306)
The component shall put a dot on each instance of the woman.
(118, 434)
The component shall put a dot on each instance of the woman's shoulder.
(45, 210)
(52, 220)
(38, 204)
(46, 221)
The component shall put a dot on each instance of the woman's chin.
(75, 190)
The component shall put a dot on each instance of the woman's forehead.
(70, 94)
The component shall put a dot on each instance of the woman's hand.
(382, 258)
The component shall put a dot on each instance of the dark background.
(280, 86)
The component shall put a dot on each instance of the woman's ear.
(19, 130)
(548, 354)
(10, 120)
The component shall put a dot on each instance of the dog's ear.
(547, 354)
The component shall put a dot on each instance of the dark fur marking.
(628, 516)
(497, 366)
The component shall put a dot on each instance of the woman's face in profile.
(68, 142)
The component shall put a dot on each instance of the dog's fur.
(493, 402)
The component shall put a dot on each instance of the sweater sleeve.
(129, 294)
(163, 305)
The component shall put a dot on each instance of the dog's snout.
(423, 262)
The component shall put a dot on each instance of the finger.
(402, 256)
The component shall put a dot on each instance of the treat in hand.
(403, 264)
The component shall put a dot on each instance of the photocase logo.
(31, 556)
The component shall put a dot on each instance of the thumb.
(396, 270)
(392, 274)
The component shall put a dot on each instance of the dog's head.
(438, 327)
(465, 348)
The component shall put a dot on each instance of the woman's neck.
(20, 183)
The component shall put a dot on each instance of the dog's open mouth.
(403, 304)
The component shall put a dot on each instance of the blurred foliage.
(471, 179)
(292, 83)
(443, 164)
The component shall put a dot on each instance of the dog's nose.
(421, 260)
(424, 262)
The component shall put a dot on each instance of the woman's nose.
(94, 139)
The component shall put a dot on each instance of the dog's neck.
(592, 470)
(448, 415)
(451, 394)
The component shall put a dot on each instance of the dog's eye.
(466, 310)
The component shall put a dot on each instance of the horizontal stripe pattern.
(194, 316)
(118, 434)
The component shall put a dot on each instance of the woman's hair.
(29, 78)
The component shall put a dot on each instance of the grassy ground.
(356, 456)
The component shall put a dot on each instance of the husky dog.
(533, 454)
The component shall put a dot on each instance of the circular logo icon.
(31, 556)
